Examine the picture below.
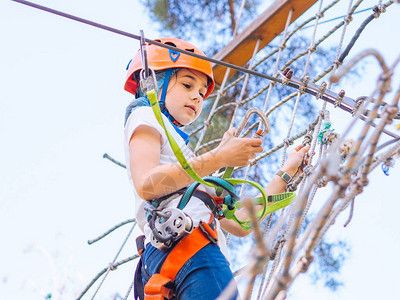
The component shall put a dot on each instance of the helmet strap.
(163, 107)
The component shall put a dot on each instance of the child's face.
(184, 99)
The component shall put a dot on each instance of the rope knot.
(292, 187)
(242, 103)
(359, 102)
(358, 185)
(312, 49)
(384, 82)
(322, 182)
(337, 64)
(339, 98)
(321, 90)
(330, 137)
(302, 88)
(348, 19)
(387, 164)
(345, 148)
(377, 11)
(305, 79)
(221, 93)
(392, 111)
(305, 263)
(326, 115)
(288, 142)
(307, 139)
(253, 163)
(307, 170)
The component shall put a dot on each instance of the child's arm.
(276, 186)
(153, 180)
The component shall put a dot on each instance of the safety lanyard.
(278, 201)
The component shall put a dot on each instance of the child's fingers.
(255, 142)
(231, 131)
(298, 147)
(303, 149)
(257, 149)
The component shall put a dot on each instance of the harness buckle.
(210, 233)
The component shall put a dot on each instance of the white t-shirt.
(195, 208)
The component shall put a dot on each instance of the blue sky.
(62, 107)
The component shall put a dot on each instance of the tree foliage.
(208, 22)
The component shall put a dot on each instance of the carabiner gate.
(148, 80)
(246, 118)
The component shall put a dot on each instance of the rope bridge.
(282, 251)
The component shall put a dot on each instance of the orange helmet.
(160, 58)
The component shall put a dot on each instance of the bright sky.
(62, 107)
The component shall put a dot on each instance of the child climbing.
(184, 253)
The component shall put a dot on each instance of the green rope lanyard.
(278, 201)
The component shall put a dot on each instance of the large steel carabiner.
(143, 52)
(264, 121)
(148, 80)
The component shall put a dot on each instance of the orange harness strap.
(160, 285)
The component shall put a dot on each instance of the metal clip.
(148, 80)
(246, 118)
(286, 76)
(321, 90)
(339, 98)
(143, 52)
(149, 83)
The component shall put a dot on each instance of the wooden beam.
(266, 27)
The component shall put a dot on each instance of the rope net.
(284, 244)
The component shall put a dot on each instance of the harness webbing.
(174, 145)
(279, 200)
(161, 285)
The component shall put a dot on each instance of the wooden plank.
(266, 27)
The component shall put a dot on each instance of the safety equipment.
(168, 226)
(229, 212)
(160, 58)
(161, 285)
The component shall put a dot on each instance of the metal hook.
(148, 79)
(246, 118)
(143, 51)
(148, 83)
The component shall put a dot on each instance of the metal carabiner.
(260, 134)
(246, 118)
(147, 76)
(148, 83)
(143, 52)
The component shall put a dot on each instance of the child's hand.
(237, 152)
(295, 158)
